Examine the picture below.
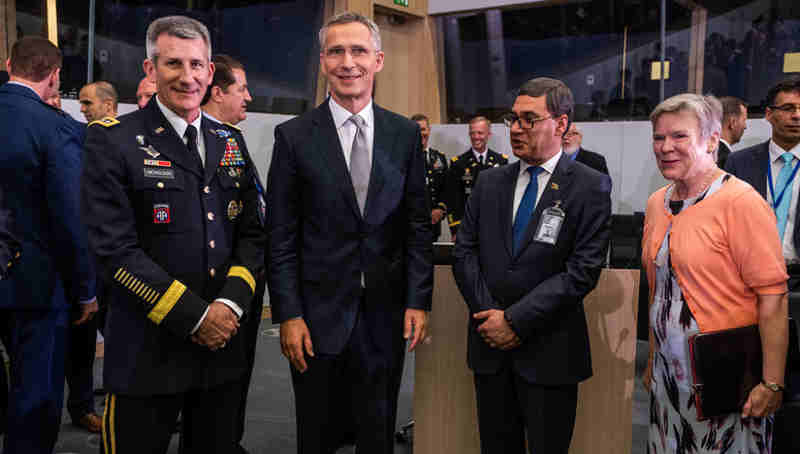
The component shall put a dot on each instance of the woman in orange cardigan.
(713, 261)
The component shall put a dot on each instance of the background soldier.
(435, 175)
(98, 100)
(172, 207)
(465, 169)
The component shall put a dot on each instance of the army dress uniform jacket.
(461, 178)
(436, 177)
(170, 237)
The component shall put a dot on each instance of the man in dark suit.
(9, 255)
(771, 168)
(39, 171)
(226, 102)
(530, 248)
(435, 175)
(573, 149)
(350, 273)
(172, 206)
(734, 122)
(466, 167)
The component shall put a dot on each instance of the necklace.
(709, 178)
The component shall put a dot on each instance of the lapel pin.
(140, 140)
(554, 186)
(159, 130)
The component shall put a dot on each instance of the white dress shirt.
(775, 152)
(542, 179)
(347, 130)
(180, 125)
(478, 155)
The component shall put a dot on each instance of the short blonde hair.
(707, 109)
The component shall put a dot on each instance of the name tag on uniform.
(550, 224)
(158, 172)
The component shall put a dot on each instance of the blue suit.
(40, 166)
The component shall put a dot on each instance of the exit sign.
(401, 2)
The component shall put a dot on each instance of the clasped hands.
(219, 326)
(495, 330)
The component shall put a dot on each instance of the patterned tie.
(359, 162)
(782, 210)
(526, 207)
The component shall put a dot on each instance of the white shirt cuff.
(89, 301)
(234, 307)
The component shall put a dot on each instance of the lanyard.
(777, 201)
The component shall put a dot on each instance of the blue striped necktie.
(782, 210)
(526, 206)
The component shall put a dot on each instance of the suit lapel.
(506, 204)
(556, 189)
(758, 169)
(163, 138)
(215, 148)
(381, 147)
(327, 141)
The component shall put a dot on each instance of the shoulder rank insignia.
(232, 126)
(455, 158)
(107, 122)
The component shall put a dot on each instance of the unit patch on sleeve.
(161, 214)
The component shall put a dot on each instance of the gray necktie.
(359, 162)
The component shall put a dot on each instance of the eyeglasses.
(787, 108)
(525, 122)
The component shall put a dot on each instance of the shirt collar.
(341, 115)
(478, 155)
(725, 142)
(178, 123)
(211, 117)
(775, 151)
(549, 166)
(15, 82)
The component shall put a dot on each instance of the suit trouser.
(35, 341)
(144, 424)
(372, 383)
(508, 406)
(80, 368)
(250, 332)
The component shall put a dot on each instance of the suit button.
(212, 272)
(210, 216)
(212, 244)
(207, 190)
(160, 185)
(237, 184)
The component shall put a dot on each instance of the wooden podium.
(444, 394)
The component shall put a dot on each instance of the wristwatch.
(774, 387)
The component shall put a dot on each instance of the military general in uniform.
(435, 175)
(172, 206)
(465, 168)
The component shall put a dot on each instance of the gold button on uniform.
(207, 190)
(237, 184)
(160, 185)
(210, 216)
(212, 272)
(212, 244)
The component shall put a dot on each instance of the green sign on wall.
(401, 2)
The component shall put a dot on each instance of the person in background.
(708, 268)
(40, 170)
(465, 168)
(226, 102)
(435, 175)
(145, 91)
(98, 100)
(734, 122)
(572, 148)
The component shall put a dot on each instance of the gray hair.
(707, 109)
(558, 96)
(178, 26)
(348, 17)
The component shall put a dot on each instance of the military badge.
(159, 130)
(157, 163)
(234, 209)
(140, 140)
(161, 214)
(220, 133)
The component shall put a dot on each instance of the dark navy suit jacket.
(750, 165)
(320, 243)
(592, 159)
(9, 245)
(542, 286)
(40, 169)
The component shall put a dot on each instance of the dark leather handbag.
(727, 365)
